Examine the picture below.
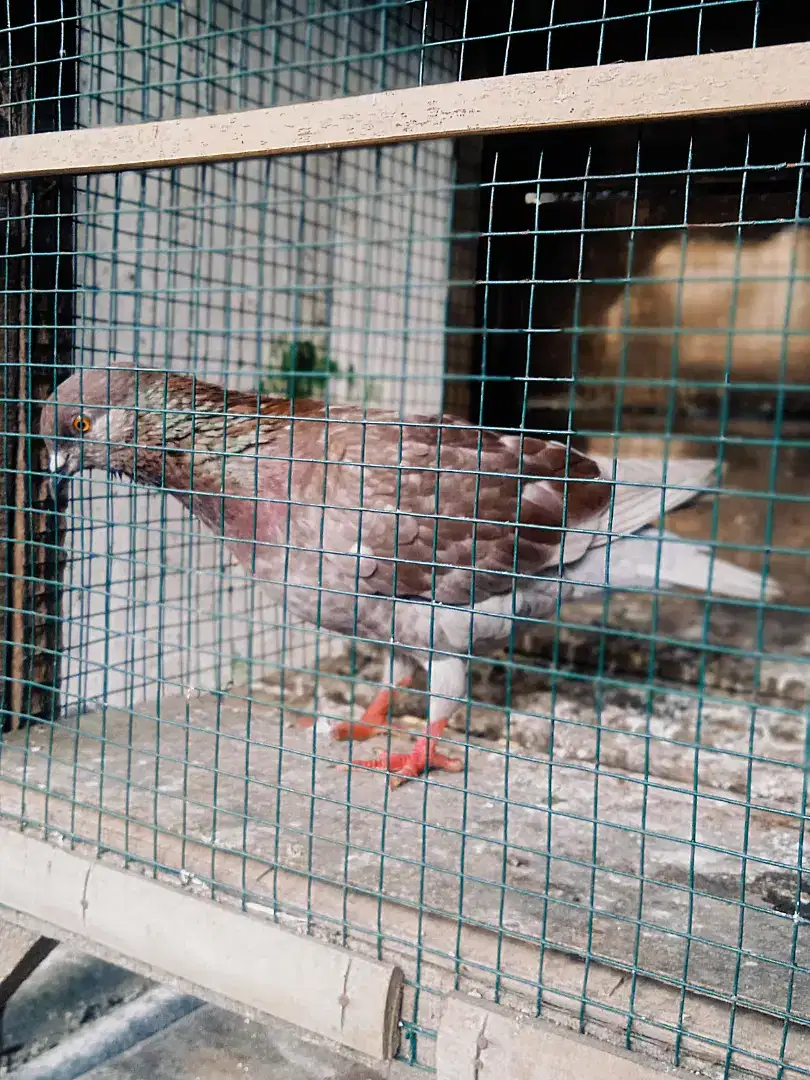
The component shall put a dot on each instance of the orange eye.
(81, 425)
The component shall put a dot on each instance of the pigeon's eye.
(81, 424)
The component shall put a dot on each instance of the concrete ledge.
(479, 1038)
(346, 998)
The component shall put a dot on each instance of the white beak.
(56, 462)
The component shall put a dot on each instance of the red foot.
(373, 720)
(406, 766)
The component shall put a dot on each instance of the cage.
(583, 221)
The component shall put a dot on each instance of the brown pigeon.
(421, 532)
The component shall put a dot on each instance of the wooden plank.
(248, 961)
(21, 953)
(478, 1038)
(745, 80)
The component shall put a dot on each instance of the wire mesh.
(302, 239)
(624, 849)
(157, 59)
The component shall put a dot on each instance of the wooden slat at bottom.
(477, 1037)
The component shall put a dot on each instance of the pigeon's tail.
(663, 560)
(647, 488)
(629, 552)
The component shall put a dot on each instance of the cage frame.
(714, 84)
(67, 895)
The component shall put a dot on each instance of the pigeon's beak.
(59, 468)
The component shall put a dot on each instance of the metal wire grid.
(217, 268)
(167, 59)
(217, 271)
(157, 58)
(608, 814)
(704, 783)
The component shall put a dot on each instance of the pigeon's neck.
(239, 502)
(233, 476)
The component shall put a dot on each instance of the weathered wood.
(477, 1037)
(724, 84)
(20, 388)
(352, 1000)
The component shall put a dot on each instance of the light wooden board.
(745, 80)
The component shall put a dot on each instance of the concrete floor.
(212, 1044)
(76, 1010)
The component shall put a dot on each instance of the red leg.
(423, 757)
(303, 720)
(372, 721)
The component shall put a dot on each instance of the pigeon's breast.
(481, 629)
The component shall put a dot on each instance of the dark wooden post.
(462, 307)
(37, 88)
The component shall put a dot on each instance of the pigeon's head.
(89, 421)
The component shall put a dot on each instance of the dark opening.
(38, 47)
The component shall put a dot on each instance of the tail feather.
(647, 488)
(696, 568)
(663, 560)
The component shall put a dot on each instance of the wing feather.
(446, 510)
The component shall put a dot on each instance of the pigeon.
(426, 534)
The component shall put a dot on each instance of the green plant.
(303, 369)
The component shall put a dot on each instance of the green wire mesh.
(625, 850)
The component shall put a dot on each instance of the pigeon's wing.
(645, 489)
(433, 508)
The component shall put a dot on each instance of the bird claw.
(355, 730)
(404, 767)
(374, 720)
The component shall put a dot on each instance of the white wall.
(204, 268)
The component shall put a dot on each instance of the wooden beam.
(213, 949)
(746, 80)
(37, 311)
